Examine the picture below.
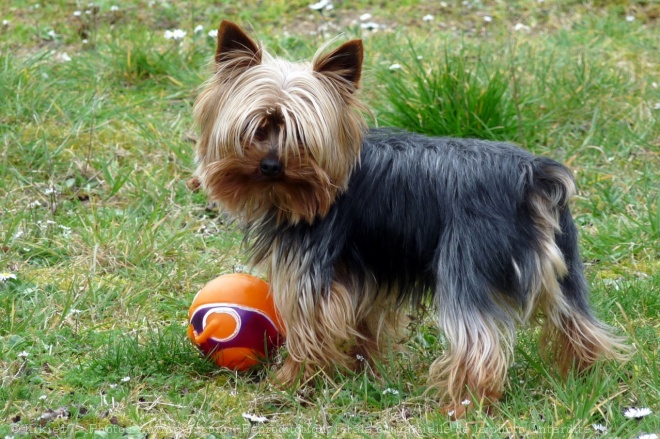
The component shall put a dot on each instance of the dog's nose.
(271, 167)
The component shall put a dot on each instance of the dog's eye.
(260, 134)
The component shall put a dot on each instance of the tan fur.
(575, 341)
(550, 262)
(380, 323)
(474, 367)
(315, 105)
(305, 193)
(325, 332)
(568, 337)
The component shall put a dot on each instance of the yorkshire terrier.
(353, 226)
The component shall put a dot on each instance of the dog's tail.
(571, 333)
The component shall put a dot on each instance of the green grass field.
(103, 246)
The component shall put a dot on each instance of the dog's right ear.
(234, 44)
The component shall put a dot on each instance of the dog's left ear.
(344, 62)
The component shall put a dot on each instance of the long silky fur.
(362, 226)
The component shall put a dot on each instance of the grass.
(108, 246)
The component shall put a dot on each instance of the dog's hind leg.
(478, 324)
(571, 333)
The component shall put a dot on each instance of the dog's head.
(275, 135)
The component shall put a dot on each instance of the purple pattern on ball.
(257, 331)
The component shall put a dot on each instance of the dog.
(355, 226)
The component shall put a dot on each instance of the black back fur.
(432, 215)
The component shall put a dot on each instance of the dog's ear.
(234, 44)
(344, 62)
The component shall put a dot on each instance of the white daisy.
(213, 33)
(600, 428)
(370, 25)
(637, 413)
(176, 34)
(365, 17)
(114, 8)
(322, 4)
(5, 276)
(254, 418)
(428, 17)
(395, 67)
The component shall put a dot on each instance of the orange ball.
(233, 321)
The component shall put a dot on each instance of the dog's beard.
(304, 192)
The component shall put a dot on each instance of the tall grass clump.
(456, 95)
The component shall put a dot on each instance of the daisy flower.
(322, 4)
(5, 276)
(637, 413)
(254, 419)
(600, 428)
(176, 34)
(370, 25)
